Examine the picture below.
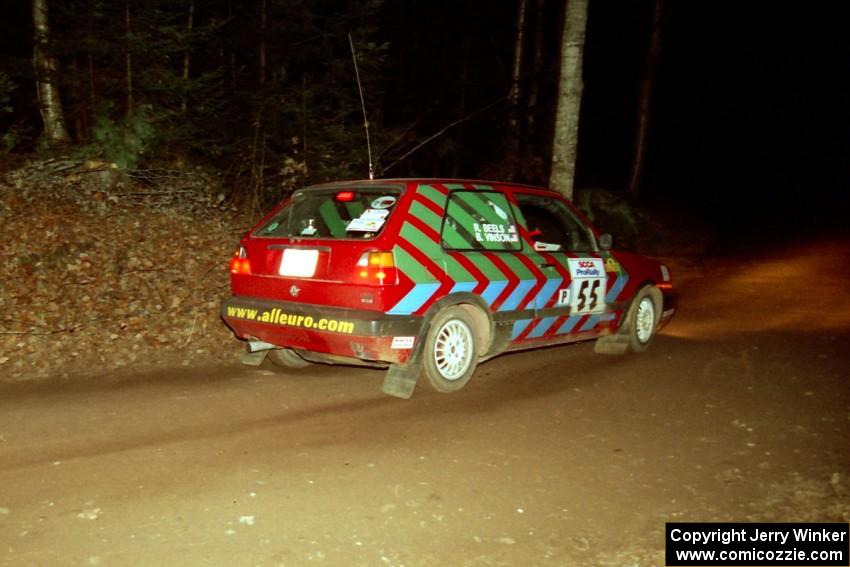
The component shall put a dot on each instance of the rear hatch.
(323, 247)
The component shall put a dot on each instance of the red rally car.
(429, 277)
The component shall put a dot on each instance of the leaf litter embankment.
(101, 272)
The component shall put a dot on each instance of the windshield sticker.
(490, 232)
(384, 202)
(365, 225)
(374, 214)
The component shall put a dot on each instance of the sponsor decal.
(384, 202)
(277, 317)
(611, 265)
(374, 214)
(589, 282)
(490, 232)
(586, 268)
(364, 225)
(404, 343)
(563, 296)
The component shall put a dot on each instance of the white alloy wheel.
(450, 352)
(645, 320)
(453, 349)
(642, 319)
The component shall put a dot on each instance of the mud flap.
(400, 380)
(612, 344)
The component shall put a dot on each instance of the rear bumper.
(363, 335)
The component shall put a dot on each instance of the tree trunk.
(263, 24)
(184, 103)
(570, 88)
(536, 68)
(128, 59)
(45, 66)
(514, 133)
(644, 107)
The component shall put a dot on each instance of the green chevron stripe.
(434, 250)
(426, 215)
(516, 266)
(421, 241)
(458, 237)
(411, 267)
(486, 266)
(480, 205)
(432, 194)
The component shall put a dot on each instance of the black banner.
(744, 544)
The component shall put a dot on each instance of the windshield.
(340, 212)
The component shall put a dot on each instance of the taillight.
(377, 267)
(240, 264)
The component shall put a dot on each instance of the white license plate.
(298, 263)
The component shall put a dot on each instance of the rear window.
(341, 212)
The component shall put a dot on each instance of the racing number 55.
(584, 295)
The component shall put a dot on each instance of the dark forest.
(750, 101)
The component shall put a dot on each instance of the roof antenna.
(363, 106)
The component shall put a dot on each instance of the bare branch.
(439, 133)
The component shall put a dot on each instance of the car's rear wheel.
(451, 351)
(642, 318)
(287, 358)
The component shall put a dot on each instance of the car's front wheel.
(642, 318)
(451, 350)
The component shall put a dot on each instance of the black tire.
(642, 319)
(450, 353)
(287, 358)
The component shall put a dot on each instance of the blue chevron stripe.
(618, 286)
(414, 299)
(463, 286)
(542, 327)
(546, 293)
(590, 323)
(492, 291)
(519, 327)
(569, 324)
(522, 289)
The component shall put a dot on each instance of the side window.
(479, 220)
(552, 225)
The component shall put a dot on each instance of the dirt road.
(739, 412)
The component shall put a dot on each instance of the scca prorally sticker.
(384, 202)
(403, 343)
(589, 284)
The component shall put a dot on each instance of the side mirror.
(606, 241)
